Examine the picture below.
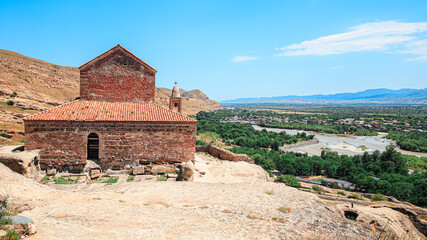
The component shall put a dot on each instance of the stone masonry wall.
(64, 144)
(224, 154)
(117, 77)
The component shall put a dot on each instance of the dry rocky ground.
(227, 200)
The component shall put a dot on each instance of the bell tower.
(175, 101)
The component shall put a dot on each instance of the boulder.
(95, 173)
(73, 178)
(162, 169)
(18, 220)
(90, 165)
(171, 175)
(186, 173)
(51, 172)
(138, 170)
(158, 169)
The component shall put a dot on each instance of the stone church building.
(115, 122)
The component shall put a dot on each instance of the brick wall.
(117, 77)
(224, 154)
(64, 144)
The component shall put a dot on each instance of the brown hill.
(34, 85)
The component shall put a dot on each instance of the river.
(349, 145)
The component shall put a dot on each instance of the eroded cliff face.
(35, 85)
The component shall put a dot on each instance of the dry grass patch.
(204, 207)
(284, 210)
(187, 205)
(278, 219)
(250, 216)
(226, 211)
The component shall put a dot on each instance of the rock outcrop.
(22, 162)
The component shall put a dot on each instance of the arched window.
(93, 146)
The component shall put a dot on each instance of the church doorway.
(93, 146)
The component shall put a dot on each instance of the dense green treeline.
(246, 136)
(333, 129)
(396, 112)
(388, 166)
(411, 141)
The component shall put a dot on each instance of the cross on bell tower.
(175, 101)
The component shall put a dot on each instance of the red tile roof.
(112, 50)
(97, 111)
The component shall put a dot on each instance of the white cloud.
(417, 47)
(376, 36)
(243, 58)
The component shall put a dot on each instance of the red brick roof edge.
(118, 46)
(99, 111)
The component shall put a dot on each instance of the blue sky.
(235, 49)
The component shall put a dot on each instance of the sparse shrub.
(317, 188)
(203, 207)
(4, 211)
(341, 193)
(63, 180)
(209, 137)
(284, 210)
(10, 103)
(278, 219)
(270, 173)
(162, 178)
(355, 196)
(14, 94)
(5, 135)
(11, 235)
(45, 179)
(324, 183)
(111, 180)
(379, 197)
(289, 180)
(226, 211)
(201, 143)
(130, 178)
(253, 217)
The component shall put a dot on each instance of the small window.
(93, 146)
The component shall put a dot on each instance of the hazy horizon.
(236, 49)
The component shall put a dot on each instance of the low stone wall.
(224, 154)
(297, 145)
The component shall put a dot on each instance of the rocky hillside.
(30, 85)
(225, 200)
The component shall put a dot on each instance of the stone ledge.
(224, 154)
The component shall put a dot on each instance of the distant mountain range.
(370, 96)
